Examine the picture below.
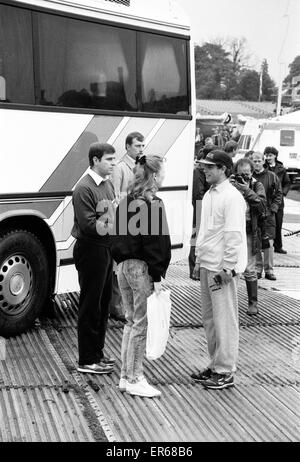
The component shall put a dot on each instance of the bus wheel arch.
(27, 272)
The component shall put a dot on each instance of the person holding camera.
(221, 254)
(254, 194)
(273, 192)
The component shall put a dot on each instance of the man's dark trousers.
(278, 237)
(94, 265)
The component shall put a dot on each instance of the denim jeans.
(265, 262)
(220, 321)
(135, 285)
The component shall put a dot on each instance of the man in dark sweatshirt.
(93, 202)
(277, 167)
(273, 192)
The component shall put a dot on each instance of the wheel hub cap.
(15, 283)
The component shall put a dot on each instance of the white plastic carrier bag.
(158, 314)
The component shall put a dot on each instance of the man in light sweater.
(93, 200)
(221, 255)
(123, 171)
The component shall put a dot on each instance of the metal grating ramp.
(43, 398)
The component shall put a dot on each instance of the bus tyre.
(24, 280)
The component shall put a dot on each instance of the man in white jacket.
(221, 255)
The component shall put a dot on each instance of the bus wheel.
(24, 280)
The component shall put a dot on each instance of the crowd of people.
(123, 250)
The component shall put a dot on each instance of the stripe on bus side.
(74, 164)
(45, 207)
(166, 136)
(102, 129)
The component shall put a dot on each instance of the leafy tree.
(294, 70)
(249, 85)
(214, 72)
(268, 85)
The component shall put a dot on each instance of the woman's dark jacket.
(273, 192)
(141, 232)
(284, 179)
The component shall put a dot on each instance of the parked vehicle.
(73, 73)
(282, 132)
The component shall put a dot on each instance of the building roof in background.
(246, 108)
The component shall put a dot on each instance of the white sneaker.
(122, 384)
(142, 388)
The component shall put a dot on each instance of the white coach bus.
(72, 73)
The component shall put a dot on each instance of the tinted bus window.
(287, 138)
(163, 74)
(86, 65)
(16, 62)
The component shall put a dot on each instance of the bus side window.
(163, 74)
(85, 64)
(16, 60)
(287, 138)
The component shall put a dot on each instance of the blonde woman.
(142, 249)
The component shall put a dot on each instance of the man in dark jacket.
(274, 198)
(277, 167)
(254, 194)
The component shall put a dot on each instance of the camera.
(241, 177)
(265, 243)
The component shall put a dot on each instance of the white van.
(282, 132)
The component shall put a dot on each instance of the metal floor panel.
(44, 398)
(41, 414)
(264, 405)
(275, 308)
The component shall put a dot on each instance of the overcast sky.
(271, 27)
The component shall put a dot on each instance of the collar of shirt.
(220, 187)
(129, 161)
(97, 178)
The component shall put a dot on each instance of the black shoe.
(280, 251)
(219, 381)
(107, 360)
(270, 276)
(118, 317)
(202, 375)
(259, 275)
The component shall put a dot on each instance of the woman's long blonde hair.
(144, 183)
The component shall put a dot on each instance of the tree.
(249, 85)
(237, 47)
(214, 72)
(294, 70)
(268, 85)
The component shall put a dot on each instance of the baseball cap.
(217, 157)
